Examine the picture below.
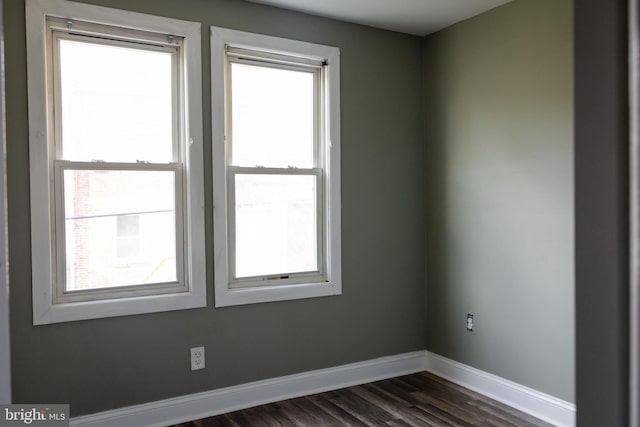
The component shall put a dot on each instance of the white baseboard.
(548, 408)
(220, 401)
(215, 402)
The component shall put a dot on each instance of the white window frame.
(50, 303)
(328, 279)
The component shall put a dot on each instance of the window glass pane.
(119, 228)
(116, 103)
(272, 117)
(128, 236)
(129, 225)
(276, 224)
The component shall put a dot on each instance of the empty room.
(278, 212)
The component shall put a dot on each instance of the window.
(276, 159)
(115, 162)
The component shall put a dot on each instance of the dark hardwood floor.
(420, 399)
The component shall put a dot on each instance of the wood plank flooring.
(415, 400)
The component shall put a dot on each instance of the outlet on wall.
(469, 322)
(197, 358)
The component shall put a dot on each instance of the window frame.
(230, 46)
(263, 59)
(50, 303)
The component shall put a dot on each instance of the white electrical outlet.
(470, 322)
(197, 358)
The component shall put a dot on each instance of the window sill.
(97, 309)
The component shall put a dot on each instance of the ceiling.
(419, 17)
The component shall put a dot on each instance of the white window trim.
(40, 142)
(224, 295)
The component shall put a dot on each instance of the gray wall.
(601, 174)
(499, 191)
(108, 363)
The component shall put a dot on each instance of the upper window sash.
(104, 35)
(315, 67)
